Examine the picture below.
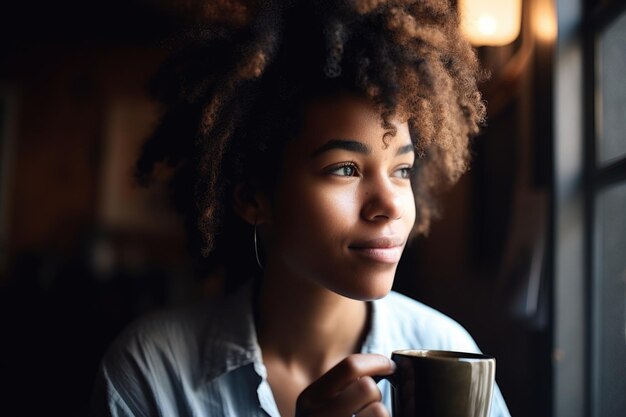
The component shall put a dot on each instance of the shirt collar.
(230, 339)
(378, 339)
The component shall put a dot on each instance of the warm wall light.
(544, 21)
(490, 22)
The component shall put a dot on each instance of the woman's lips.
(386, 255)
(387, 249)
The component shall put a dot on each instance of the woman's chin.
(368, 289)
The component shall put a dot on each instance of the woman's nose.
(383, 201)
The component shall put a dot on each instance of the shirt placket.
(267, 403)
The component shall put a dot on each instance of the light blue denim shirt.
(205, 360)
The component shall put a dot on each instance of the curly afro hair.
(234, 92)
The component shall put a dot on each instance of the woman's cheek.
(339, 207)
(410, 211)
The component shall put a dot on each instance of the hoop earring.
(256, 250)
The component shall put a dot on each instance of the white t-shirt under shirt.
(205, 360)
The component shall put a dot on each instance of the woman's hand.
(347, 389)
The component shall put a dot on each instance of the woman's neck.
(305, 326)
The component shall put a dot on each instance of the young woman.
(307, 139)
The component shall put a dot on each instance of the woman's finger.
(344, 373)
(376, 409)
(356, 397)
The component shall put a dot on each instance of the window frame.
(599, 176)
(578, 179)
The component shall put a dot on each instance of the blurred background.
(530, 254)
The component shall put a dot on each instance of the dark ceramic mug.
(436, 383)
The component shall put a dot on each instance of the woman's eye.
(404, 173)
(346, 170)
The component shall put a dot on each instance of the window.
(606, 195)
(589, 235)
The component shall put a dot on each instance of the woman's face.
(343, 207)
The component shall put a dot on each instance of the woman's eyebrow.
(405, 149)
(345, 144)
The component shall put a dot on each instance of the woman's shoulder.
(160, 356)
(414, 324)
(175, 340)
(168, 328)
(157, 340)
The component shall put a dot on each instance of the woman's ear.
(250, 204)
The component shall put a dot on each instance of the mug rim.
(444, 355)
